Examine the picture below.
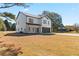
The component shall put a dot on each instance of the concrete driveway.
(67, 34)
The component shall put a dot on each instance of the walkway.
(67, 34)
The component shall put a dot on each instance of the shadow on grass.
(27, 34)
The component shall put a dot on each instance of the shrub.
(9, 50)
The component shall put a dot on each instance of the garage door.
(45, 30)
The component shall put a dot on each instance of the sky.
(68, 11)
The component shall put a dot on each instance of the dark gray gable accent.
(17, 16)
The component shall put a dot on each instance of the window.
(18, 29)
(48, 22)
(21, 28)
(29, 28)
(37, 30)
(33, 29)
(44, 21)
(24, 29)
(30, 20)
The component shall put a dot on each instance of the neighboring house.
(27, 23)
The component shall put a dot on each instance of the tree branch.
(7, 6)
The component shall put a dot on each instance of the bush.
(9, 50)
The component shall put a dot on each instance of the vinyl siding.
(21, 23)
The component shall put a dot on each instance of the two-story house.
(27, 23)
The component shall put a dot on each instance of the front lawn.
(33, 45)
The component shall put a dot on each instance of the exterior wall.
(47, 24)
(33, 29)
(23, 26)
(35, 20)
(21, 23)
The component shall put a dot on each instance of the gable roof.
(30, 15)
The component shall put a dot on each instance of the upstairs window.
(30, 20)
(44, 22)
(48, 22)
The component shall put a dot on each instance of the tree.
(55, 18)
(13, 27)
(2, 25)
(76, 27)
(69, 28)
(7, 14)
(7, 25)
(8, 5)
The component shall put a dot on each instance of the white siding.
(33, 28)
(23, 27)
(35, 20)
(21, 23)
(47, 24)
